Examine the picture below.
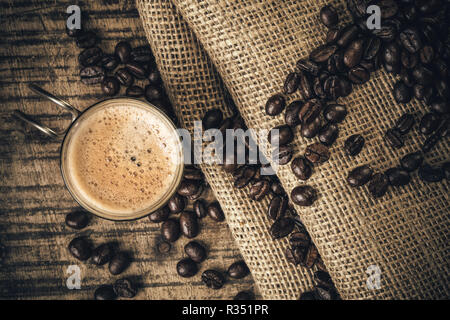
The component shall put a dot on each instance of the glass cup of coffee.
(121, 158)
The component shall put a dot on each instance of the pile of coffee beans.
(413, 43)
(132, 68)
(323, 290)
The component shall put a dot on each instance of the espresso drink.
(122, 158)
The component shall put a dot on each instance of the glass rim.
(114, 216)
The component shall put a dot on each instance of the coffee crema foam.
(122, 159)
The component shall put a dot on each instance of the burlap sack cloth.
(254, 44)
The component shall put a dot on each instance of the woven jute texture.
(194, 86)
(254, 44)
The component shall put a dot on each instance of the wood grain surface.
(33, 199)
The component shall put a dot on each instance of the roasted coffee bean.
(328, 134)
(303, 196)
(160, 215)
(310, 110)
(277, 207)
(378, 185)
(124, 77)
(244, 295)
(177, 203)
(282, 227)
(282, 134)
(170, 230)
(86, 39)
(333, 35)
(391, 54)
(77, 219)
(105, 292)
(102, 254)
(259, 189)
(354, 144)
(305, 87)
(189, 224)
(213, 279)
(318, 88)
(328, 16)
(74, 32)
(187, 268)
(412, 161)
(243, 176)
(134, 91)
(348, 35)
(153, 93)
(119, 263)
(110, 86)
(154, 77)
(300, 239)
(405, 123)
(446, 168)
(323, 293)
(440, 106)
(394, 69)
(238, 270)
(277, 189)
(410, 39)
(312, 255)
(308, 66)
(136, 69)
(212, 119)
(195, 251)
(423, 75)
(317, 153)
(192, 173)
(387, 32)
(80, 248)
(323, 53)
(142, 54)
(429, 173)
(359, 176)
(291, 83)
(389, 8)
(307, 295)
(402, 93)
(332, 87)
(302, 168)
(200, 209)
(442, 90)
(407, 78)
(291, 116)
(188, 187)
(358, 75)
(163, 247)
(323, 279)
(372, 48)
(398, 177)
(354, 52)
(215, 211)
(310, 130)
(422, 93)
(335, 113)
(346, 86)
(275, 105)
(394, 138)
(335, 63)
(124, 288)
(409, 60)
(109, 62)
(426, 54)
(90, 57)
(123, 51)
(284, 155)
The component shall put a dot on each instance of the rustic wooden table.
(33, 199)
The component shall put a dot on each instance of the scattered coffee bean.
(153, 93)
(170, 230)
(412, 161)
(102, 254)
(124, 288)
(358, 75)
(302, 168)
(200, 209)
(92, 75)
(394, 138)
(291, 116)
(187, 268)
(402, 93)
(347, 35)
(134, 91)
(80, 248)
(429, 173)
(188, 187)
(410, 40)
(329, 16)
(323, 53)
(109, 62)
(317, 153)
(283, 154)
(283, 134)
(177, 203)
(398, 177)
(123, 51)
(282, 228)
(142, 54)
(291, 83)
(359, 176)
(164, 247)
(277, 207)
(405, 123)
(354, 52)
(189, 224)
(304, 195)
(119, 262)
(328, 134)
(77, 219)
(310, 130)
(378, 185)
(110, 86)
(215, 212)
(238, 270)
(311, 256)
(136, 69)
(124, 77)
(105, 292)
(310, 110)
(195, 251)
(259, 189)
(90, 56)
(275, 105)
(335, 113)
(277, 189)
(308, 66)
(296, 255)
(354, 144)
(213, 279)
(154, 77)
